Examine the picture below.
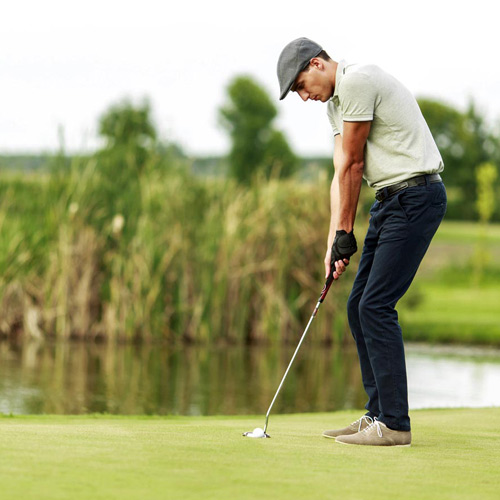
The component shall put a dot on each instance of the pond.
(77, 378)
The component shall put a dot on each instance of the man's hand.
(344, 246)
(339, 266)
(337, 257)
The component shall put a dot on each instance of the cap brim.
(285, 93)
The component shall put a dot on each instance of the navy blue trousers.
(400, 231)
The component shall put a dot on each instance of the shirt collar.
(338, 78)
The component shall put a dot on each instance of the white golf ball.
(258, 432)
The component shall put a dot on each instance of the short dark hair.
(322, 55)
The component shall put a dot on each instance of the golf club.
(261, 433)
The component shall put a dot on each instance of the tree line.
(466, 140)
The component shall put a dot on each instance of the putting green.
(455, 455)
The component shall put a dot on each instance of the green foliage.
(465, 141)
(256, 145)
(130, 148)
(206, 261)
(203, 261)
(125, 126)
(486, 176)
(279, 159)
(127, 245)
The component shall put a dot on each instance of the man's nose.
(303, 95)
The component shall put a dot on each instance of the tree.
(256, 145)
(463, 140)
(129, 133)
(486, 175)
(130, 145)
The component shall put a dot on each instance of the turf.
(455, 455)
(460, 314)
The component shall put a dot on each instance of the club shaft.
(291, 361)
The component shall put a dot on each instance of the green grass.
(454, 455)
(453, 313)
(463, 232)
(455, 295)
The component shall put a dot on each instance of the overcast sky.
(63, 63)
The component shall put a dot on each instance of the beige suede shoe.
(356, 426)
(377, 434)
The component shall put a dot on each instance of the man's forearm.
(354, 139)
(334, 191)
(350, 177)
(334, 209)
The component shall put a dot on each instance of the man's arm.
(334, 203)
(349, 153)
(334, 191)
(350, 172)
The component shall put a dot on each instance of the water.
(77, 378)
(444, 377)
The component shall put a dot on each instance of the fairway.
(455, 455)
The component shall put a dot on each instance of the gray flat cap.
(293, 59)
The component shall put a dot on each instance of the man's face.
(313, 84)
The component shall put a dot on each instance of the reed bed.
(94, 252)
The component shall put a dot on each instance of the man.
(381, 135)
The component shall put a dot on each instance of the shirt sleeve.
(357, 97)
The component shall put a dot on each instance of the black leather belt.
(420, 180)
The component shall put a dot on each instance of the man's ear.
(317, 63)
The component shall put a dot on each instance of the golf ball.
(258, 432)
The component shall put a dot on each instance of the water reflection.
(74, 378)
(441, 377)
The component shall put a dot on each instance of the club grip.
(328, 284)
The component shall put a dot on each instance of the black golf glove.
(344, 246)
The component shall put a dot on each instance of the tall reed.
(168, 256)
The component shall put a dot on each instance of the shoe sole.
(338, 435)
(329, 437)
(379, 445)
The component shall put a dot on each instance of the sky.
(64, 63)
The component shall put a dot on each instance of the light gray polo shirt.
(400, 144)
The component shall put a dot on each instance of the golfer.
(379, 135)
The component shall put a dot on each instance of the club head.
(256, 433)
